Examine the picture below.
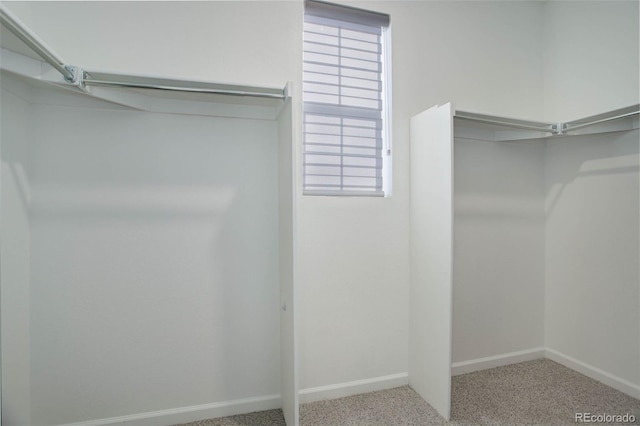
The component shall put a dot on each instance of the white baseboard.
(478, 364)
(190, 414)
(356, 387)
(230, 408)
(595, 373)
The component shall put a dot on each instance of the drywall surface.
(592, 278)
(252, 42)
(14, 252)
(499, 235)
(354, 252)
(154, 274)
(591, 57)
(484, 56)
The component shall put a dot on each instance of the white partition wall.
(431, 256)
(286, 238)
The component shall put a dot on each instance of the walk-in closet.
(311, 213)
(526, 220)
(135, 209)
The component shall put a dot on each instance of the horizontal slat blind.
(343, 108)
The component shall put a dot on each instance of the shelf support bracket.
(558, 128)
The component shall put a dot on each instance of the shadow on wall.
(153, 261)
(570, 159)
(21, 179)
(247, 325)
(498, 181)
(73, 202)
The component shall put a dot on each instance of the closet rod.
(542, 127)
(14, 25)
(77, 76)
(93, 82)
(569, 127)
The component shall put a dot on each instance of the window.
(345, 96)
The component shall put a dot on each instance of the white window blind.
(343, 94)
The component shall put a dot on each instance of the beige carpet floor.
(539, 392)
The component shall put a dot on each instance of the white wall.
(592, 278)
(591, 57)
(499, 248)
(592, 283)
(220, 41)
(484, 60)
(353, 253)
(154, 269)
(14, 252)
(484, 56)
(142, 285)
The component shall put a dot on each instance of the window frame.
(351, 19)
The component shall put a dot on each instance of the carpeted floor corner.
(539, 392)
(398, 406)
(534, 392)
